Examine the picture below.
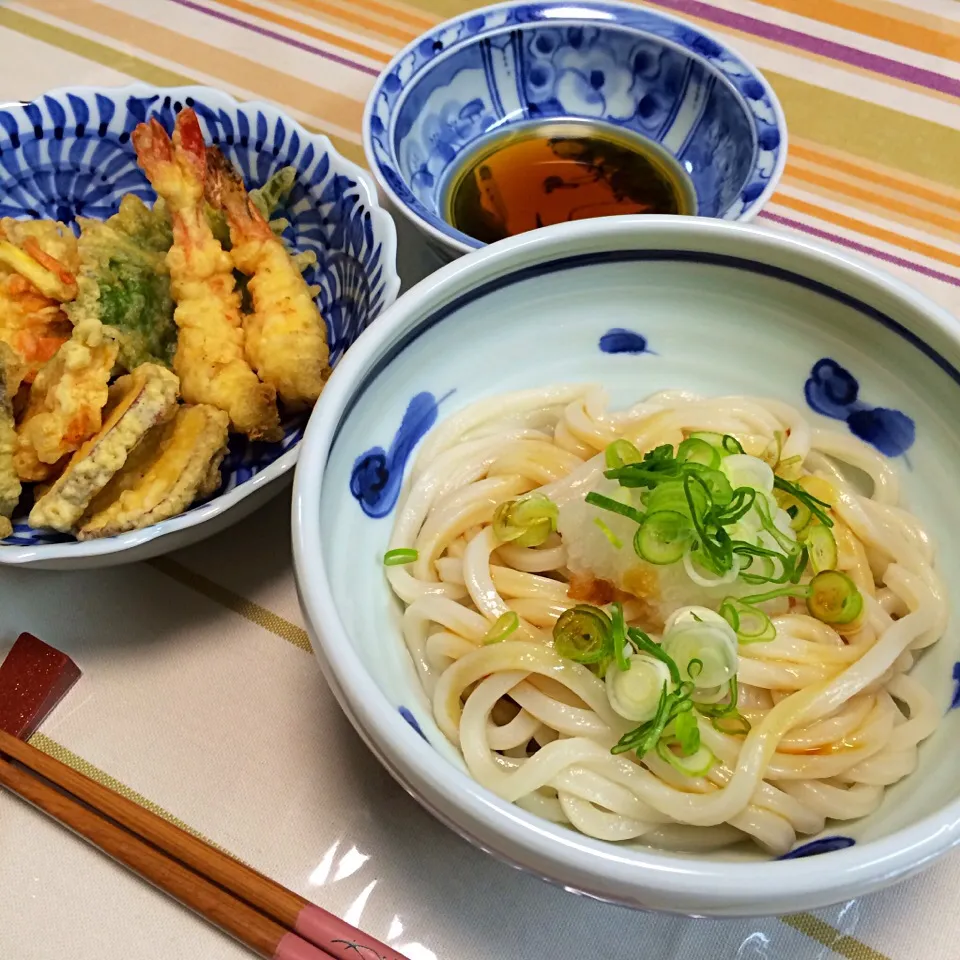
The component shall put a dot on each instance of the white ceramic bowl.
(56, 150)
(724, 308)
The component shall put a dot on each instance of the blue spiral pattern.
(69, 154)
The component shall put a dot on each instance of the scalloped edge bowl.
(235, 504)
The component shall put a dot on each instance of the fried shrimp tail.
(286, 337)
(209, 359)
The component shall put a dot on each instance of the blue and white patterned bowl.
(637, 69)
(638, 304)
(69, 154)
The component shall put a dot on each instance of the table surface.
(200, 696)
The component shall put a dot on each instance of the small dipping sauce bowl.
(634, 76)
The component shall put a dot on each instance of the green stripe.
(247, 609)
(90, 50)
(840, 943)
(126, 63)
(882, 134)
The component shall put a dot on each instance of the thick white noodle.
(834, 719)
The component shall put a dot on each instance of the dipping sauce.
(549, 172)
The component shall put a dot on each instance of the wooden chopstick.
(249, 906)
(256, 931)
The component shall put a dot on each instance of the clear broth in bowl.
(539, 174)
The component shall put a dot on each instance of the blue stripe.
(677, 103)
(709, 83)
(634, 256)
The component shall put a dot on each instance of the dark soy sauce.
(550, 172)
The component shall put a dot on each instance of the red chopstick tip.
(338, 938)
(291, 947)
(34, 678)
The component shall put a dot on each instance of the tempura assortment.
(128, 355)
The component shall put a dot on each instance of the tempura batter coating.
(36, 261)
(138, 402)
(209, 359)
(66, 401)
(124, 282)
(286, 337)
(9, 482)
(176, 464)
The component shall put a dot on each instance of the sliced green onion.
(670, 495)
(788, 590)
(742, 470)
(771, 454)
(615, 541)
(687, 732)
(808, 499)
(741, 504)
(502, 627)
(731, 444)
(834, 598)
(663, 537)
(712, 644)
(789, 463)
(788, 544)
(717, 486)
(714, 439)
(735, 724)
(647, 735)
(800, 513)
(750, 624)
(645, 645)
(823, 548)
(696, 765)
(614, 506)
(695, 450)
(583, 634)
(527, 521)
(618, 630)
(725, 717)
(620, 453)
(635, 693)
(400, 556)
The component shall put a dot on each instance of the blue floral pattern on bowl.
(68, 154)
(640, 70)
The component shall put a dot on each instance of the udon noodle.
(788, 711)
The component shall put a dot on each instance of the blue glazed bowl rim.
(384, 229)
(449, 236)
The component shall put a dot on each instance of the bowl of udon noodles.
(627, 547)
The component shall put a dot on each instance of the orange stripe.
(877, 209)
(350, 17)
(726, 31)
(867, 229)
(327, 106)
(415, 19)
(941, 196)
(333, 39)
(881, 26)
(902, 11)
(893, 204)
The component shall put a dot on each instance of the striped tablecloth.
(200, 697)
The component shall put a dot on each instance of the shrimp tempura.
(209, 359)
(286, 338)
